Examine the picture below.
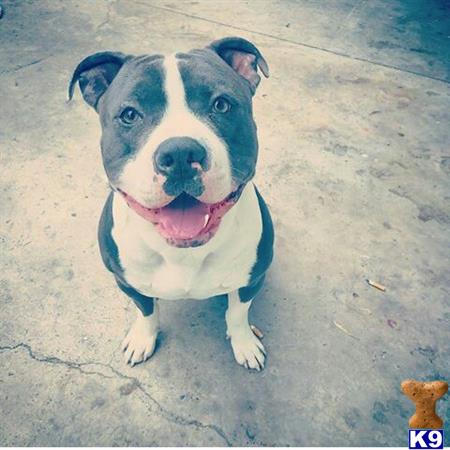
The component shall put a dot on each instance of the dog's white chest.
(223, 264)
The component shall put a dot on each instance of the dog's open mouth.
(186, 221)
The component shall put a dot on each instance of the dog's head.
(178, 137)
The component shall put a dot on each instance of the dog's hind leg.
(139, 343)
(247, 348)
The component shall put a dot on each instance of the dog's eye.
(221, 105)
(129, 116)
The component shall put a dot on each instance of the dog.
(183, 218)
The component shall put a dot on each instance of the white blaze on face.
(140, 180)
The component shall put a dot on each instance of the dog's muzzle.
(181, 160)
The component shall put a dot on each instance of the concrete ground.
(355, 165)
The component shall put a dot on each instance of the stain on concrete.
(250, 431)
(428, 352)
(98, 402)
(379, 413)
(329, 119)
(337, 149)
(128, 388)
(381, 173)
(445, 164)
(357, 80)
(5, 292)
(430, 212)
(352, 417)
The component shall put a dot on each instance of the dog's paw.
(140, 342)
(248, 349)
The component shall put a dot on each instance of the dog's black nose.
(180, 157)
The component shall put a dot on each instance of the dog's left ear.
(243, 57)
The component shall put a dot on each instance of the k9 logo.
(426, 439)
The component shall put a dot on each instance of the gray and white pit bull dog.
(179, 147)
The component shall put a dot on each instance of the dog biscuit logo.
(425, 425)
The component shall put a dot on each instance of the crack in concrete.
(23, 66)
(108, 16)
(294, 42)
(80, 367)
(357, 6)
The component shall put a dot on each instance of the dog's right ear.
(95, 73)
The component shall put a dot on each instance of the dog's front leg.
(139, 344)
(247, 348)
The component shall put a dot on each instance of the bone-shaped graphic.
(425, 395)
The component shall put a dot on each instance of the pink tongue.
(184, 218)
